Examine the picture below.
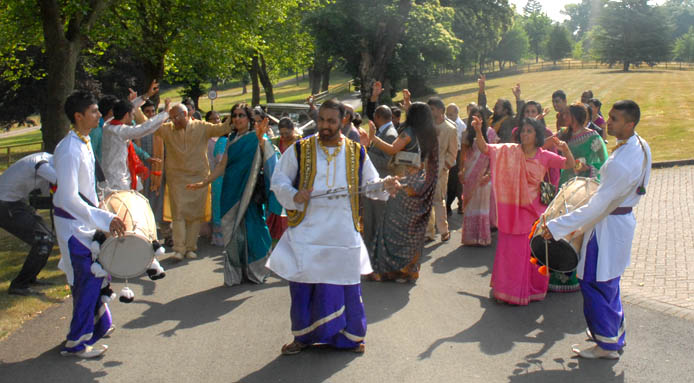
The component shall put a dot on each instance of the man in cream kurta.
(608, 223)
(186, 163)
(322, 254)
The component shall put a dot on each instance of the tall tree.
(684, 47)
(61, 29)
(512, 47)
(631, 32)
(679, 14)
(558, 43)
(581, 17)
(537, 25)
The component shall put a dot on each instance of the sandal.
(293, 348)
(359, 349)
(445, 237)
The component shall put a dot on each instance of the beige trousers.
(185, 235)
(438, 217)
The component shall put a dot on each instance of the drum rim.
(541, 257)
(111, 240)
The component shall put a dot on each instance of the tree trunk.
(325, 78)
(255, 86)
(376, 52)
(626, 66)
(314, 76)
(265, 80)
(63, 43)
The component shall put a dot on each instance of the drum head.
(562, 257)
(128, 256)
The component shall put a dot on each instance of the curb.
(670, 164)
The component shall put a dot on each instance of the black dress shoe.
(26, 291)
(42, 282)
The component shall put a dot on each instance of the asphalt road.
(189, 327)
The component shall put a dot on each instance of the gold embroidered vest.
(306, 155)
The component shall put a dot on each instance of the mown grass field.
(666, 98)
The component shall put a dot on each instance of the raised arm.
(391, 149)
(479, 139)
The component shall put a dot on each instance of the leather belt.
(622, 211)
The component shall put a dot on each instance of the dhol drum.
(130, 255)
(562, 255)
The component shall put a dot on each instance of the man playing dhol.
(608, 223)
(324, 269)
(76, 220)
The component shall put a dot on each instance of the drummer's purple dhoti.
(327, 314)
(91, 317)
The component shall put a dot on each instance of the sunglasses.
(239, 115)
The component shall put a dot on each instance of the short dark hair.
(147, 104)
(436, 103)
(596, 102)
(208, 115)
(630, 109)
(78, 102)
(537, 126)
(106, 103)
(384, 112)
(396, 111)
(121, 108)
(188, 102)
(285, 123)
(559, 94)
(246, 110)
(334, 104)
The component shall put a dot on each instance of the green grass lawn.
(15, 309)
(19, 152)
(665, 98)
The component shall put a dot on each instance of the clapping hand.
(406, 98)
(132, 95)
(372, 130)
(303, 196)
(392, 185)
(376, 90)
(153, 88)
(477, 124)
(261, 127)
(516, 90)
(167, 105)
(481, 81)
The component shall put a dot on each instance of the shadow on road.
(51, 365)
(383, 299)
(572, 370)
(502, 326)
(466, 257)
(194, 310)
(312, 365)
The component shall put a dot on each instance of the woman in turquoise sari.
(247, 166)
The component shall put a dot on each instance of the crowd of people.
(275, 203)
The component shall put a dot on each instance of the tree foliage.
(631, 32)
(582, 17)
(558, 43)
(512, 47)
(684, 47)
(537, 25)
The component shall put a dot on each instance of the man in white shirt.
(30, 175)
(608, 223)
(117, 134)
(76, 220)
(323, 269)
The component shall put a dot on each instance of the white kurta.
(114, 149)
(325, 247)
(74, 168)
(615, 233)
(22, 177)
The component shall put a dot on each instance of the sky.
(553, 8)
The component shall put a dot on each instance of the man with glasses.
(186, 163)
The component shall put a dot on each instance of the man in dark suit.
(382, 117)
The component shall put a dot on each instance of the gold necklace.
(83, 138)
(329, 157)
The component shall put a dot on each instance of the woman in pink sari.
(517, 170)
(477, 190)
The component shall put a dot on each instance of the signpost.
(212, 95)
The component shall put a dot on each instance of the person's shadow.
(54, 367)
(501, 326)
(311, 365)
(383, 299)
(195, 309)
(468, 257)
(573, 370)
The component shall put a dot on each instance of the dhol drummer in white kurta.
(322, 254)
(609, 223)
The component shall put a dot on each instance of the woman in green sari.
(590, 152)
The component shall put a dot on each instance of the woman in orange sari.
(517, 170)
